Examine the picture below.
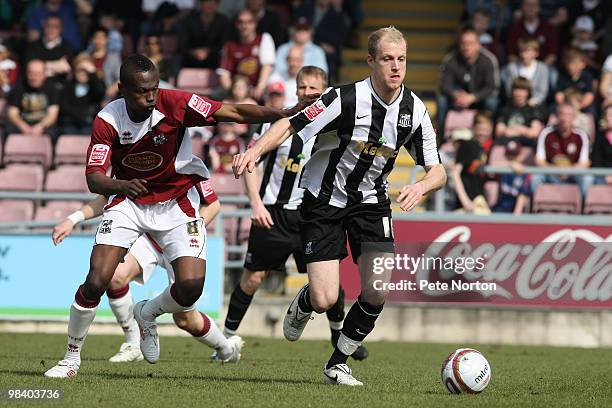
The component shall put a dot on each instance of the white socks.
(80, 320)
(122, 309)
(213, 337)
(163, 303)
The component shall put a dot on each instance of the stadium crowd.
(532, 79)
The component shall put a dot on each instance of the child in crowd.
(239, 93)
(513, 188)
(528, 67)
(578, 77)
(224, 146)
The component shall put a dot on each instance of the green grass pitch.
(279, 373)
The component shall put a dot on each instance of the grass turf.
(279, 373)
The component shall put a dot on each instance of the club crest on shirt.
(159, 139)
(314, 110)
(404, 120)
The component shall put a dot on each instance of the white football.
(466, 371)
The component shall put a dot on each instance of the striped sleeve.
(423, 145)
(321, 114)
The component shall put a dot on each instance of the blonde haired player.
(138, 266)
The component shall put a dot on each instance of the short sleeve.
(100, 147)
(189, 109)
(208, 194)
(267, 50)
(423, 145)
(321, 114)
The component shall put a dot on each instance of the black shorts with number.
(269, 249)
(325, 228)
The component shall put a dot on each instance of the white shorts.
(148, 257)
(174, 224)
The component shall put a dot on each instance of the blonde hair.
(390, 33)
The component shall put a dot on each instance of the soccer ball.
(465, 370)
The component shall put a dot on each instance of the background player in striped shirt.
(359, 129)
(275, 199)
(138, 266)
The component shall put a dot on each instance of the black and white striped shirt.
(358, 137)
(281, 171)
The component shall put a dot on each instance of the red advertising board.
(541, 265)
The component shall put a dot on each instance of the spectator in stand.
(81, 98)
(112, 24)
(164, 16)
(267, 21)
(483, 129)
(330, 30)
(204, 33)
(223, 147)
(583, 121)
(513, 188)
(605, 86)
(252, 55)
(239, 93)
(467, 173)
(481, 21)
(119, 16)
(583, 40)
(519, 120)
(33, 105)
(166, 65)
(598, 10)
(353, 9)
(563, 145)
(530, 25)
(67, 11)
(9, 71)
(301, 34)
(528, 67)
(576, 76)
(52, 50)
(602, 148)
(295, 61)
(107, 63)
(469, 79)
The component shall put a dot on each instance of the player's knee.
(181, 320)
(322, 302)
(252, 281)
(189, 291)
(93, 288)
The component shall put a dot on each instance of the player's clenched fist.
(134, 188)
(244, 160)
(410, 196)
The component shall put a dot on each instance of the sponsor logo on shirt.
(98, 155)
(199, 105)
(314, 110)
(105, 227)
(143, 161)
(290, 165)
(373, 150)
(206, 188)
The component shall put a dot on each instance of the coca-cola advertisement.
(539, 265)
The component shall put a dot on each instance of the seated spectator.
(483, 129)
(597, 10)
(224, 146)
(295, 61)
(239, 93)
(469, 78)
(330, 30)
(164, 16)
(301, 34)
(576, 76)
(112, 25)
(481, 21)
(513, 188)
(267, 21)
(583, 121)
(602, 148)
(583, 40)
(527, 66)
(107, 62)
(467, 173)
(518, 120)
(203, 35)
(563, 145)
(530, 25)
(81, 97)
(166, 66)
(9, 71)
(33, 105)
(66, 11)
(252, 56)
(52, 50)
(605, 86)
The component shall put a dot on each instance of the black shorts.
(269, 249)
(325, 229)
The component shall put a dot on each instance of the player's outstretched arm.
(246, 113)
(274, 137)
(411, 194)
(100, 183)
(90, 210)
